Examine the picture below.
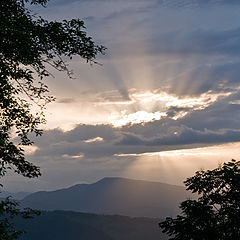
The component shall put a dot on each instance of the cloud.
(149, 106)
(172, 3)
(219, 77)
(192, 120)
(185, 43)
(66, 100)
(199, 128)
(195, 3)
(92, 140)
(184, 136)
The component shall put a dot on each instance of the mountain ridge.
(113, 195)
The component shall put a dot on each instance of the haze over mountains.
(121, 196)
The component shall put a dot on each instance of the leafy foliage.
(216, 213)
(28, 44)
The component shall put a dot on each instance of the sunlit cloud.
(73, 156)
(194, 152)
(142, 106)
(235, 102)
(146, 101)
(29, 150)
(173, 153)
(197, 103)
(96, 139)
(135, 118)
(170, 100)
(180, 114)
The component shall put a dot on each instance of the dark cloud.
(66, 100)
(221, 115)
(172, 3)
(211, 42)
(89, 18)
(63, 2)
(182, 43)
(224, 114)
(222, 77)
(185, 136)
(195, 3)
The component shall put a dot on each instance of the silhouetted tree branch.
(27, 44)
(216, 213)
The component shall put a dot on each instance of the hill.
(63, 225)
(113, 196)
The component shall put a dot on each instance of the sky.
(162, 104)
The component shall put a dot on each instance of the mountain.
(63, 225)
(113, 196)
(16, 196)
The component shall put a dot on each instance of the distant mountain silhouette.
(16, 196)
(60, 225)
(113, 196)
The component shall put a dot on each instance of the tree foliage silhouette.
(216, 213)
(28, 44)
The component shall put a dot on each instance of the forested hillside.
(62, 225)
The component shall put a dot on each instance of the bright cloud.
(145, 101)
(135, 118)
(96, 139)
(29, 150)
(73, 156)
(204, 151)
(142, 106)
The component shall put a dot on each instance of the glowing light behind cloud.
(146, 101)
(142, 106)
(138, 89)
(134, 118)
(203, 151)
(175, 166)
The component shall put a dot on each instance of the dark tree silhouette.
(28, 44)
(216, 212)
